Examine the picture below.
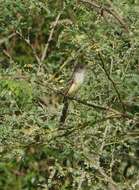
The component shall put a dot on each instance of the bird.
(75, 83)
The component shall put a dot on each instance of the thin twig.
(3, 40)
(8, 56)
(113, 83)
(63, 22)
(73, 56)
(30, 46)
(68, 60)
(104, 138)
(50, 37)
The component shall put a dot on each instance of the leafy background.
(98, 146)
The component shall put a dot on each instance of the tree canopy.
(40, 42)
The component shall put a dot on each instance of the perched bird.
(76, 82)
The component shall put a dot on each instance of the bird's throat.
(78, 80)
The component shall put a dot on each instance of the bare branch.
(87, 103)
(3, 40)
(8, 56)
(50, 37)
(31, 47)
(101, 9)
(113, 83)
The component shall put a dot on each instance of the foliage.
(98, 146)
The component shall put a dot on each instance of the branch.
(104, 108)
(30, 46)
(113, 83)
(3, 40)
(86, 103)
(8, 55)
(50, 36)
(101, 9)
(74, 129)
(116, 15)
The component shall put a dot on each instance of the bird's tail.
(64, 110)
